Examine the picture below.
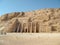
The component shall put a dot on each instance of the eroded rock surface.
(44, 20)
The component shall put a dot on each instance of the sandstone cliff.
(44, 20)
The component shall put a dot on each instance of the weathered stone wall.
(44, 20)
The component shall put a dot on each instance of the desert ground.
(30, 39)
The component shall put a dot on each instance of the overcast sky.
(8, 6)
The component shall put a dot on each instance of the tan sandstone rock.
(44, 20)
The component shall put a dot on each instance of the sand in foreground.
(30, 39)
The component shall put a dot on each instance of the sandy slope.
(30, 39)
